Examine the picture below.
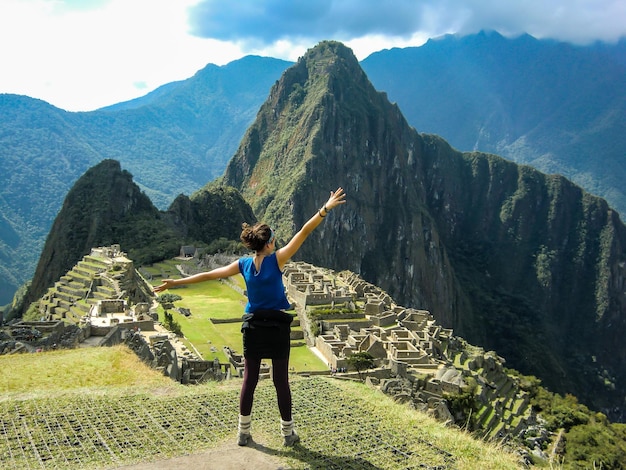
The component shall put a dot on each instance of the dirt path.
(227, 457)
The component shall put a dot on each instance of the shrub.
(594, 446)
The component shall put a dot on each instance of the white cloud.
(85, 54)
(85, 59)
(364, 46)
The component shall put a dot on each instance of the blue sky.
(80, 55)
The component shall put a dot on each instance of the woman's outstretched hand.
(167, 283)
(336, 198)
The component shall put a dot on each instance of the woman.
(266, 324)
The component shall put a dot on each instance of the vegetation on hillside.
(590, 440)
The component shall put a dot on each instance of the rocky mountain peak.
(479, 241)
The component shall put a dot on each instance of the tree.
(172, 324)
(361, 361)
(167, 300)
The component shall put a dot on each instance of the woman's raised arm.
(284, 254)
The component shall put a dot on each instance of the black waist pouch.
(266, 334)
(266, 319)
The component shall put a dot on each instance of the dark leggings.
(280, 375)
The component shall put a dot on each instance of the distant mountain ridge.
(175, 139)
(558, 107)
(182, 135)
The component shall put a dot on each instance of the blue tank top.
(265, 288)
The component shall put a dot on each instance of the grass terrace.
(65, 413)
(218, 300)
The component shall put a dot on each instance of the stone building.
(407, 343)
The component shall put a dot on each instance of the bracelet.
(325, 210)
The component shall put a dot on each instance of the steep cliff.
(512, 259)
(544, 265)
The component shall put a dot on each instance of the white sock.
(286, 427)
(245, 423)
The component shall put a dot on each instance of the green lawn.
(215, 299)
(76, 368)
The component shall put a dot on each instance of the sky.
(80, 55)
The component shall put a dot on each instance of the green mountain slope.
(175, 139)
(39, 146)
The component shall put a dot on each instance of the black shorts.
(266, 334)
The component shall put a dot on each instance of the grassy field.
(98, 408)
(63, 370)
(215, 299)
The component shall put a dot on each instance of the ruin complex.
(103, 300)
(417, 359)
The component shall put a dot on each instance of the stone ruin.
(237, 362)
(35, 336)
(90, 304)
(418, 361)
(104, 274)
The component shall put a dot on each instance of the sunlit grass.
(93, 368)
(215, 299)
(469, 453)
(75, 398)
(208, 300)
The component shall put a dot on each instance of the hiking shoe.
(242, 439)
(291, 439)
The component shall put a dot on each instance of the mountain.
(175, 139)
(514, 260)
(557, 107)
(106, 207)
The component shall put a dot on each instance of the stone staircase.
(504, 408)
(74, 293)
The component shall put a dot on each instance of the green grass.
(210, 300)
(64, 370)
(56, 417)
(215, 299)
